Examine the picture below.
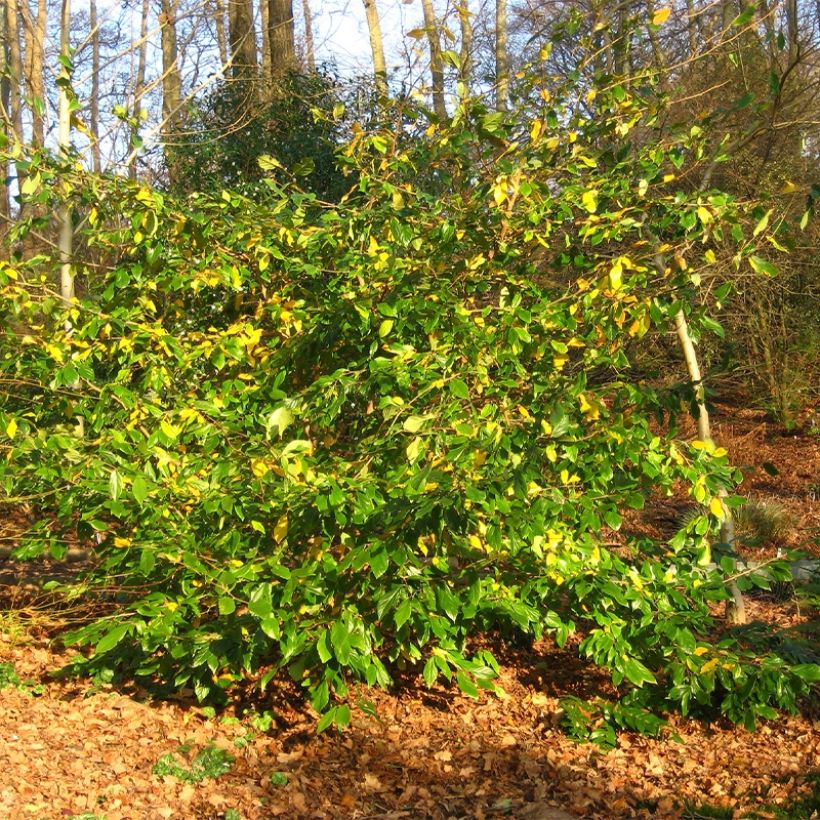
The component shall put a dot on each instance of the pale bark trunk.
(264, 10)
(737, 610)
(66, 239)
(282, 38)
(436, 63)
(15, 69)
(466, 52)
(221, 37)
(374, 28)
(5, 116)
(171, 83)
(502, 57)
(94, 103)
(35, 36)
(139, 88)
(310, 48)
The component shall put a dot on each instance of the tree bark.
(171, 83)
(5, 117)
(242, 39)
(35, 37)
(502, 57)
(310, 48)
(15, 69)
(221, 38)
(282, 38)
(374, 28)
(94, 102)
(139, 88)
(66, 239)
(436, 63)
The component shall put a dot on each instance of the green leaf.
(114, 484)
(227, 605)
(459, 389)
(762, 266)
(466, 684)
(139, 489)
(279, 420)
(637, 673)
(112, 638)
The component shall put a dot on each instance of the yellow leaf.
(717, 509)
(589, 199)
(535, 130)
(709, 665)
(661, 16)
(704, 215)
(11, 428)
(701, 650)
(280, 531)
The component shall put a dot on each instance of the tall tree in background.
(94, 101)
(374, 28)
(502, 58)
(281, 35)
(15, 69)
(310, 48)
(242, 39)
(139, 88)
(436, 62)
(34, 30)
(171, 81)
(64, 139)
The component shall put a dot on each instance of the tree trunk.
(171, 83)
(465, 60)
(374, 27)
(737, 610)
(502, 57)
(436, 63)
(35, 38)
(15, 69)
(310, 48)
(221, 38)
(94, 102)
(282, 38)
(139, 89)
(64, 140)
(264, 10)
(5, 116)
(242, 38)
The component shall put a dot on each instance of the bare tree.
(310, 48)
(242, 39)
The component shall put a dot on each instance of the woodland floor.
(86, 749)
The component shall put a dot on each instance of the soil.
(88, 749)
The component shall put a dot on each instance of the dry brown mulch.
(75, 748)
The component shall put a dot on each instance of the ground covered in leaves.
(87, 749)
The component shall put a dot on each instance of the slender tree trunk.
(171, 83)
(35, 37)
(5, 117)
(15, 69)
(692, 28)
(139, 88)
(94, 102)
(465, 56)
(66, 240)
(436, 63)
(310, 48)
(221, 37)
(374, 28)
(242, 38)
(502, 57)
(264, 10)
(282, 38)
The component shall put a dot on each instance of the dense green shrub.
(345, 439)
